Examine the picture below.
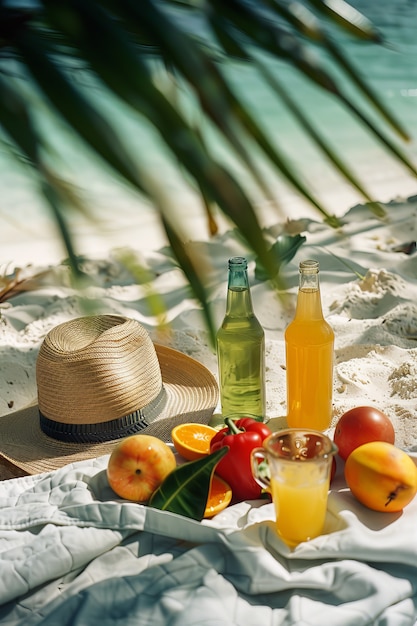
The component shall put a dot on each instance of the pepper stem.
(234, 430)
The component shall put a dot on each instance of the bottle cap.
(238, 262)
(309, 267)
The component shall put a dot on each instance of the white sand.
(374, 317)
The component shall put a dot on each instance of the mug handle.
(258, 460)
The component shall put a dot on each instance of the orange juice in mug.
(299, 466)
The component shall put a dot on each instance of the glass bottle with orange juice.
(309, 348)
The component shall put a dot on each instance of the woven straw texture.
(190, 395)
(95, 369)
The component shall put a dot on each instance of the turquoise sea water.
(391, 70)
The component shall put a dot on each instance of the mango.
(381, 476)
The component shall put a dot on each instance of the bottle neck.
(239, 302)
(308, 282)
(309, 297)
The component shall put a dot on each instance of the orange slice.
(219, 497)
(192, 441)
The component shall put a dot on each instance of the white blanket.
(72, 554)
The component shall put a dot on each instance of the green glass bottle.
(241, 349)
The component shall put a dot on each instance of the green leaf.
(264, 34)
(349, 18)
(16, 120)
(344, 63)
(283, 250)
(78, 110)
(53, 193)
(180, 50)
(352, 20)
(253, 130)
(193, 270)
(315, 135)
(186, 489)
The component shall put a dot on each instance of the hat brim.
(191, 396)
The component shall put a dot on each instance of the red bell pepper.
(241, 436)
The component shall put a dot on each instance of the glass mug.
(299, 463)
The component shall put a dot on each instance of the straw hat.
(100, 378)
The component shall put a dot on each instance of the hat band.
(102, 431)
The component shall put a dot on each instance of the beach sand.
(368, 277)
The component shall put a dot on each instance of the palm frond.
(118, 44)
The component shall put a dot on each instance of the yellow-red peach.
(138, 465)
(381, 476)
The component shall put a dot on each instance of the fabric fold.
(72, 553)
